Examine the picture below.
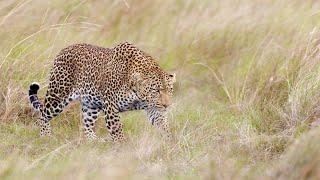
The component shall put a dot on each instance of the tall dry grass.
(248, 86)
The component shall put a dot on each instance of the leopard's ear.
(173, 77)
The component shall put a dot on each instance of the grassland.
(246, 101)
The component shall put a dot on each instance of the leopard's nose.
(167, 103)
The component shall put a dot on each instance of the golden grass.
(248, 86)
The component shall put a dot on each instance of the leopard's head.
(154, 87)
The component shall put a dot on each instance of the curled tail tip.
(34, 87)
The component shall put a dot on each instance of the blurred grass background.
(247, 89)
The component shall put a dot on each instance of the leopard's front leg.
(158, 118)
(114, 126)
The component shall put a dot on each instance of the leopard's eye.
(155, 89)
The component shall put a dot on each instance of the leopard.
(106, 81)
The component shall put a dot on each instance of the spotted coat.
(108, 80)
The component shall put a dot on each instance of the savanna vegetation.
(246, 102)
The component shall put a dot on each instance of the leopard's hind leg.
(61, 90)
(53, 106)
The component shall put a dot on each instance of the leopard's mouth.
(161, 107)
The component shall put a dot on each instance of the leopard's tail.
(33, 96)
